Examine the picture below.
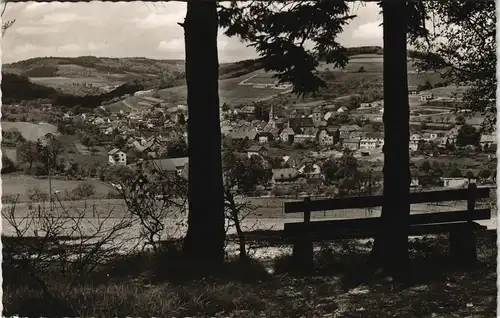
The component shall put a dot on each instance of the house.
(415, 140)
(371, 141)
(171, 165)
(301, 124)
(284, 176)
(293, 160)
(351, 144)
(452, 135)
(248, 110)
(264, 137)
(287, 135)
(328, 115)
(116, 156)
(426, 96)
(301, 138)
(456, 179)
(347, 129)
(365, 106)
(342, 109)
(317, 114)
(325, 138)
(257, 150)
(413, 146)
(487, 140)
(310, 169)
(242, 133)
(415, 178)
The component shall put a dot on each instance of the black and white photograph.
(264, 158)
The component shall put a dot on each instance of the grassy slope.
(30, 131)
(70, 74)
(234, 94)
(438, 288)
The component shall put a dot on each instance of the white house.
(116, 156)
(324, 138)
(287, 134)
(303, 138)
(487, 140)
(426, 96)
(456, 182)
(328, 115)
(310, 170)
(413, 146)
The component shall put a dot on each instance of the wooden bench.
(459, 224)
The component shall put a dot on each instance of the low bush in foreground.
(146, 285)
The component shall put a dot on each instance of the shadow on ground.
(168, 286)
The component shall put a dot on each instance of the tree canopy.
(462, 46)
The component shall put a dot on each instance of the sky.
(134, 29)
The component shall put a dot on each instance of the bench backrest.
(471, 194)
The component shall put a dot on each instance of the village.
(295, 145)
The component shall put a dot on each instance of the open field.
(75, 85)
(11, 153)
(18, 184)
(29, 131)
(266, 207)
(229, 91)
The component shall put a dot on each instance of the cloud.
(25, 48)
(37, 6)
(34, 30)
(174, 45)
(62, 17)
(69, 48)
(155, 20)
(135, 29)
(371, 31)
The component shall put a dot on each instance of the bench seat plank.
(414, 230)
(370, 224)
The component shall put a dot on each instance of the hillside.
(259, 85)
(91, 81)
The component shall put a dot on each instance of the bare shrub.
(35, 194)
(236, 213)
(154, 196)
(55, 248)
(83, 190)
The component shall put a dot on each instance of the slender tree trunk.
(205, 237)
(390, 250)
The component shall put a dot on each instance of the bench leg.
(463, 246)
(302, 255)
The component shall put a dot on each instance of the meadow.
(74, 85)
(30, 131)
(19, 184)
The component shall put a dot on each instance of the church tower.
(271, 121)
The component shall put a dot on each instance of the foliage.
(278, 31)
(83, 190)
(246, 173)
(178, 148)
(8, 165)
(463, 37)
(154, 196)
(468, 135)
(57, 242)
(27, 152)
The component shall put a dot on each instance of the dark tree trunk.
(205, 237)
(390, 250)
